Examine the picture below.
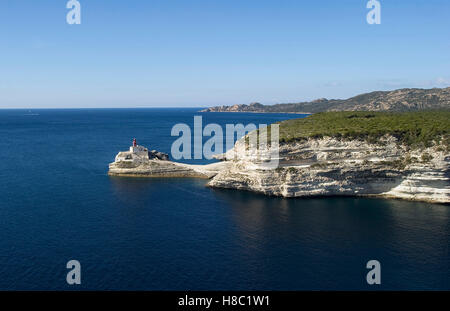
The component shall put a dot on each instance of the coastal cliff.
(330, 166)
(392, 155)
(397, 155)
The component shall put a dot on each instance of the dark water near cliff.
(58, 204)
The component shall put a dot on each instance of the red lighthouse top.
(134, 142)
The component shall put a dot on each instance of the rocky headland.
(402, 156)
(334, 167)
(140, 162)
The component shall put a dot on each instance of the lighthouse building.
(136, 154)
(140, 154)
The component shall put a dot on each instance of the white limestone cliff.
(329, 167)
(139, 162)
(315, 167)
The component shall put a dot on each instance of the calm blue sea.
(57, 203)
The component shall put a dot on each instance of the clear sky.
(173, 53)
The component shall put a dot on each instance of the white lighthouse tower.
(136, 153)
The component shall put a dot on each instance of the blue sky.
(173, 53)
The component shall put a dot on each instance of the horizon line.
(248, 103)
(61, 108)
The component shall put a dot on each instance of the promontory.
(382, 154)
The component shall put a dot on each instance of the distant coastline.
(204, 110)
(400, 100)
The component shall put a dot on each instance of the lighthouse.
(140, 154)
(138, 151)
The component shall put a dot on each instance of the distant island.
(398, 100)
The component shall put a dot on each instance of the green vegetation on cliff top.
(416, 129)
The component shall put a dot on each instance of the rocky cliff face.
(153, 168)
(329, 166)
(397, 100)
(157, 164)
(316, 167)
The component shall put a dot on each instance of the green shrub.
(426, 157)
(419, 129)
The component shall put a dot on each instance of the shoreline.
(325, 196)
(386, 165)
(305, 113)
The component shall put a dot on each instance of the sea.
(57, 204)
